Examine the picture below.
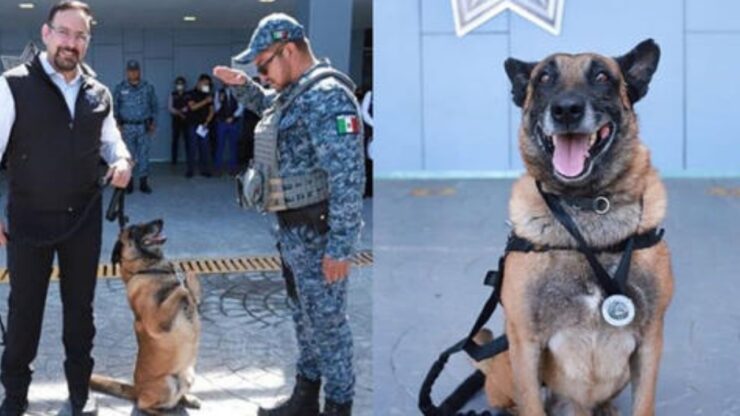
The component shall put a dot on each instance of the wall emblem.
(469, 14)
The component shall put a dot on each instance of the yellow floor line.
(243, 264)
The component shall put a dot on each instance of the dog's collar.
(170, 269)
(600, 204)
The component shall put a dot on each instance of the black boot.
(87, 408)
(144, 185)
(130, 186)
(337, 409)
(303, 402)
(13, 407)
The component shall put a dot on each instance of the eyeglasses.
(66, 34)
(262, 68)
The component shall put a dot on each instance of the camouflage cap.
(276, 27)
(132, 65)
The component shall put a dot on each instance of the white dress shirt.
(113, 149)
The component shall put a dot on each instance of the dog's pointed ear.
(519, 73)
(115, 255)
(638, 67)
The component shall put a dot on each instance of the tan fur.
(587, 363)
(167, 339)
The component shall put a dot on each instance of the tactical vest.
(263, 187)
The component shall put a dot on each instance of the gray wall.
(443, 102)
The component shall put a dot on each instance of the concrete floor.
(247, 346)
(435, 239)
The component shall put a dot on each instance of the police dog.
(165, 307)
(579, 138)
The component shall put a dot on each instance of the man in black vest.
(56, 122)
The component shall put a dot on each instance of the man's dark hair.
(302, 45)
(69, 5)
(180, 78)
(205, 77)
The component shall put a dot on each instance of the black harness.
(615, 285)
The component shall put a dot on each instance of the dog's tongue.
(570, 154)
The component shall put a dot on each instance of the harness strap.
(468, 388)
(618, 284)
(641, 241)
(474, 382)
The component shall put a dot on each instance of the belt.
(315, 216)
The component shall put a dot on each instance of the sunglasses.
(262, 68)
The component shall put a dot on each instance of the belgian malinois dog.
(579, 140)
(165, 306)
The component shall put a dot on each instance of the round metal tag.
(618, 310)
(602, 205)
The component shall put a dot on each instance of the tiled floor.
(247, 344)
(435, 239)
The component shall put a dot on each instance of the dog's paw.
(190, 401)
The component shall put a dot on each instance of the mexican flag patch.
(348, 124)
(279, 35)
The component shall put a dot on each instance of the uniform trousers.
(138, 143)
(319, 314)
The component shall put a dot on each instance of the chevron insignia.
(469, 14)
(28, 53)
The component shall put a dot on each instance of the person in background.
(200, 104)
(178, 107)
(54, 201)
(135, 107)
(228, 119)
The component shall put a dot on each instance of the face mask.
(179, 87)
(205, 88)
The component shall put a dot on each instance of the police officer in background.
(56, 122)
(135, 106)
(309, 163)
(178, 107)
(228, 120)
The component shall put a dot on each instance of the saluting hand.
(334, 270)
(119, 173)
(230, 76)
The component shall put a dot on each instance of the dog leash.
(615, 289)
(115, 211)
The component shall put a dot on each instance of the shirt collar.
(43, 57)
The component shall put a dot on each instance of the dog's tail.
(499, 385)
(113, 387)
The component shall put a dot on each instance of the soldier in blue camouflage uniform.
(135, 108)
(319, 129)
